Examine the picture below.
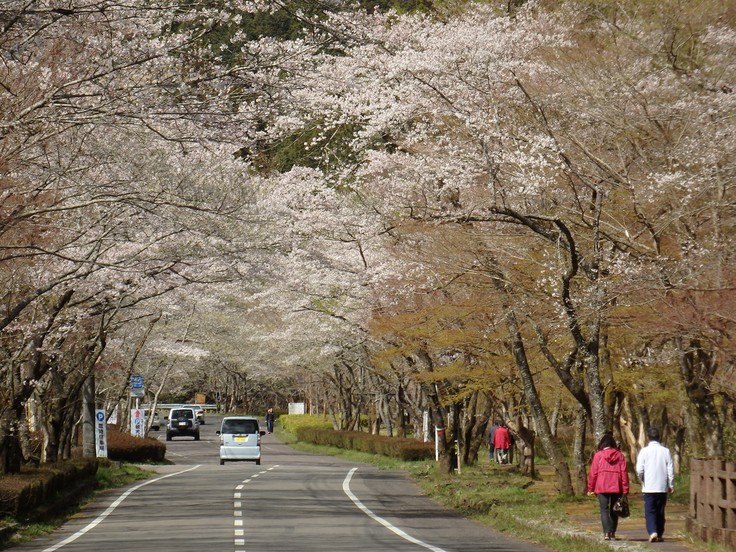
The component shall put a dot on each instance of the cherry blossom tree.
(509, 124)
(280, 203)
(114, 192)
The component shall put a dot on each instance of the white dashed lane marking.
(238, 512)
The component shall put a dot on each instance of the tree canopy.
(475, 209)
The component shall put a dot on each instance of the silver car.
(199, 411)
(240, 439)
(156, 422)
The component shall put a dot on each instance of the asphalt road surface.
(291, 502)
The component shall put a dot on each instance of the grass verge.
(109, 476)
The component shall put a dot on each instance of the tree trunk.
(385, 414)
(88, 418)
(629, 428)
(437, 413)
(376, 425)
(526, 448)
(452, 433)
(555, 415)
(31, 454)
(477, 412)
(595, 389)
(696, 369)
(555, 456)
(10, 451)
(579, 460)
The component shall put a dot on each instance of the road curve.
(291, 502)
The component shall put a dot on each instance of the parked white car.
(156, 422)
(199, 411)
(240, 439)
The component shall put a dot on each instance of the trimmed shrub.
(24, 492)
(292, 422)
(125, 447)
(394, 447)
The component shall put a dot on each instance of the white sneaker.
(653, 537)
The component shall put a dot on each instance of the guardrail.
(169, 406)
(713, 501)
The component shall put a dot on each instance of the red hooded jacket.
(501, 439)
(608, 472)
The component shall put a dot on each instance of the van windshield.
(239, 426)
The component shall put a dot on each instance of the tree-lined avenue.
(292, 501)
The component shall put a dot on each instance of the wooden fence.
(713, 501)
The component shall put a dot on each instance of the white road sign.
(100, 434)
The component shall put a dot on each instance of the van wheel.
(222, 462)
(168, 437)
(258, 462)
(196, 436)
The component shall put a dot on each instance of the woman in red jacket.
(502, 443)
(609, 480)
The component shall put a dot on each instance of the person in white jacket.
(656, 472)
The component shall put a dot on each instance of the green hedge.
(394, 447)
(292, 422)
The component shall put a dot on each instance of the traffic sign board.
(137, 422)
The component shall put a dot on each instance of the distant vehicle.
(156, 422)
(199, 411)
(240, 439)
(182, 422)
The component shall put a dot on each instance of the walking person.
(609, 479)
(656, 472)
(502, 444)
(269, 420)
(491, 435)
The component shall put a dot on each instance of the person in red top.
(502, 444)
(609, 479)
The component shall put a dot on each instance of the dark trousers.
(609, 518)
(654, 504)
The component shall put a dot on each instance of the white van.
(240, 439)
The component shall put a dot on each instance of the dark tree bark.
(696, 370)
(556, 458)
(88, 417)
(580, 461)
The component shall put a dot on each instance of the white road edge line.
(110, 509)
(386, 524)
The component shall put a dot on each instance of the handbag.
(621, 506)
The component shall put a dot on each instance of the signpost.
(100, 434)
(296, 408)
(137, 419)
(137, 422)
(136, 386)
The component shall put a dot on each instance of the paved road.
(292, 501)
